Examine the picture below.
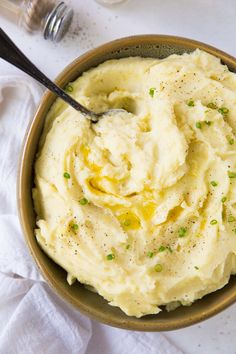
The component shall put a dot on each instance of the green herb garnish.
(191, 103)
(231, 174)
(110, 256)
(69, 88)
(127, 222)
(150, 254)
(75, 227)
(152, 91)
(223, 199)
(213, 222)
(66, 175)
(231, 141)
(127, 247)
(83, 201)
(231, 218)
(162, 249)
(199, 125)
(158, 268)
(182, 231)
(214, 183)
(196, 267)
(208, 122)
(212, 105)
(223, 110)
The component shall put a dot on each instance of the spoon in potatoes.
(13, 55)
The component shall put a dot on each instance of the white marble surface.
(210, 21)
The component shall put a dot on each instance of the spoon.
(12, 54)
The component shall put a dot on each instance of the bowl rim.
(22, 209)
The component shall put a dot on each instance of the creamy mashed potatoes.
(142, 205)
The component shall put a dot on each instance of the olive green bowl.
(89, 303)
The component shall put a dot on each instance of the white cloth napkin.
(32, 318)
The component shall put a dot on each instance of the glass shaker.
(49, 17)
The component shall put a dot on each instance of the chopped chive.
(231, 141)
(231, 218)
(127, 222)
(150, 254)
(196, 267)
(69, 88)
(162, 249)
(214, 183)
(66, 175)
(212, 105)
(75, 226)
(208, 122)
(223, 110)
(182, 231)
(158, 268)
(83, 201)
(234, 231)
(231, 174)
(199, 125)
(191, 103)
(223, 199)
(127, 247)
(152, 91)
(213, 222)
(110, 256)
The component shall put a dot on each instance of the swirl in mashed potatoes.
(142, 205)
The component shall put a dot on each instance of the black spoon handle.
(12, 54)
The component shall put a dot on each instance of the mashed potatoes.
(142, 205)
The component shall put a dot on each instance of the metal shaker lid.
(58, 22)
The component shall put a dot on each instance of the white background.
(210, 21)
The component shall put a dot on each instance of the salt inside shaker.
(49, 17)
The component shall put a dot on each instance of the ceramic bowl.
(89, 303)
